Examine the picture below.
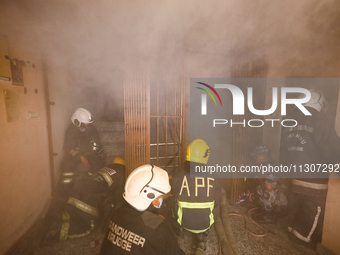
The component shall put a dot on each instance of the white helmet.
(81, 116)
(144, 184)
(317, 100)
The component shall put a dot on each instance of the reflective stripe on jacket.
(196, 207)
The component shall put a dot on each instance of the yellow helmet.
(119, 161)
(198, 151)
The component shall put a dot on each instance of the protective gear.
(198, 151)
(90, 201)
(139, 233)
(312, 141)
(317, 100)
(83, 147)
(95, 147)
(144, 184)
(119, 161)
(81, 116)
(195, 199)
(86, 143)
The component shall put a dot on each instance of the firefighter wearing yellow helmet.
(195, 197)
(119, 160)
(198, 151)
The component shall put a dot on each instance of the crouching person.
(195, 198)
(89, 203)
(271, 193)
(135, 227)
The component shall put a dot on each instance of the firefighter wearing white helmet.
(195, 197)
(145, 184)
(82, 145)
(137, 227)
(313, 141)
(81, 118)
(317, 100)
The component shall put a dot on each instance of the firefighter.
(312, 141)
(82, 145)
(195, 197)
(136, 227)
(90, 202)
(271, 190)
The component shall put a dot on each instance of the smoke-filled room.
(169, 127)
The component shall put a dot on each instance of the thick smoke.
(97, 40)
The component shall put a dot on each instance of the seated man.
(195, 197)
(135, 227)
(270, 192)
(90, 201)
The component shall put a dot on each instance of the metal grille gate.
(157, 138)
(137, 117)
(168, 122)
(245, 138)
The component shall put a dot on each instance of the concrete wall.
(25, 189)
(25, 186)
(24, 164)
(331, 233)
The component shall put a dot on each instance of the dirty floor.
(275, 242)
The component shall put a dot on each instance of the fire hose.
(223, 228)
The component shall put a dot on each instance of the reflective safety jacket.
(90, 199)
(312, 141)
(196, 199)
(134, 232)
